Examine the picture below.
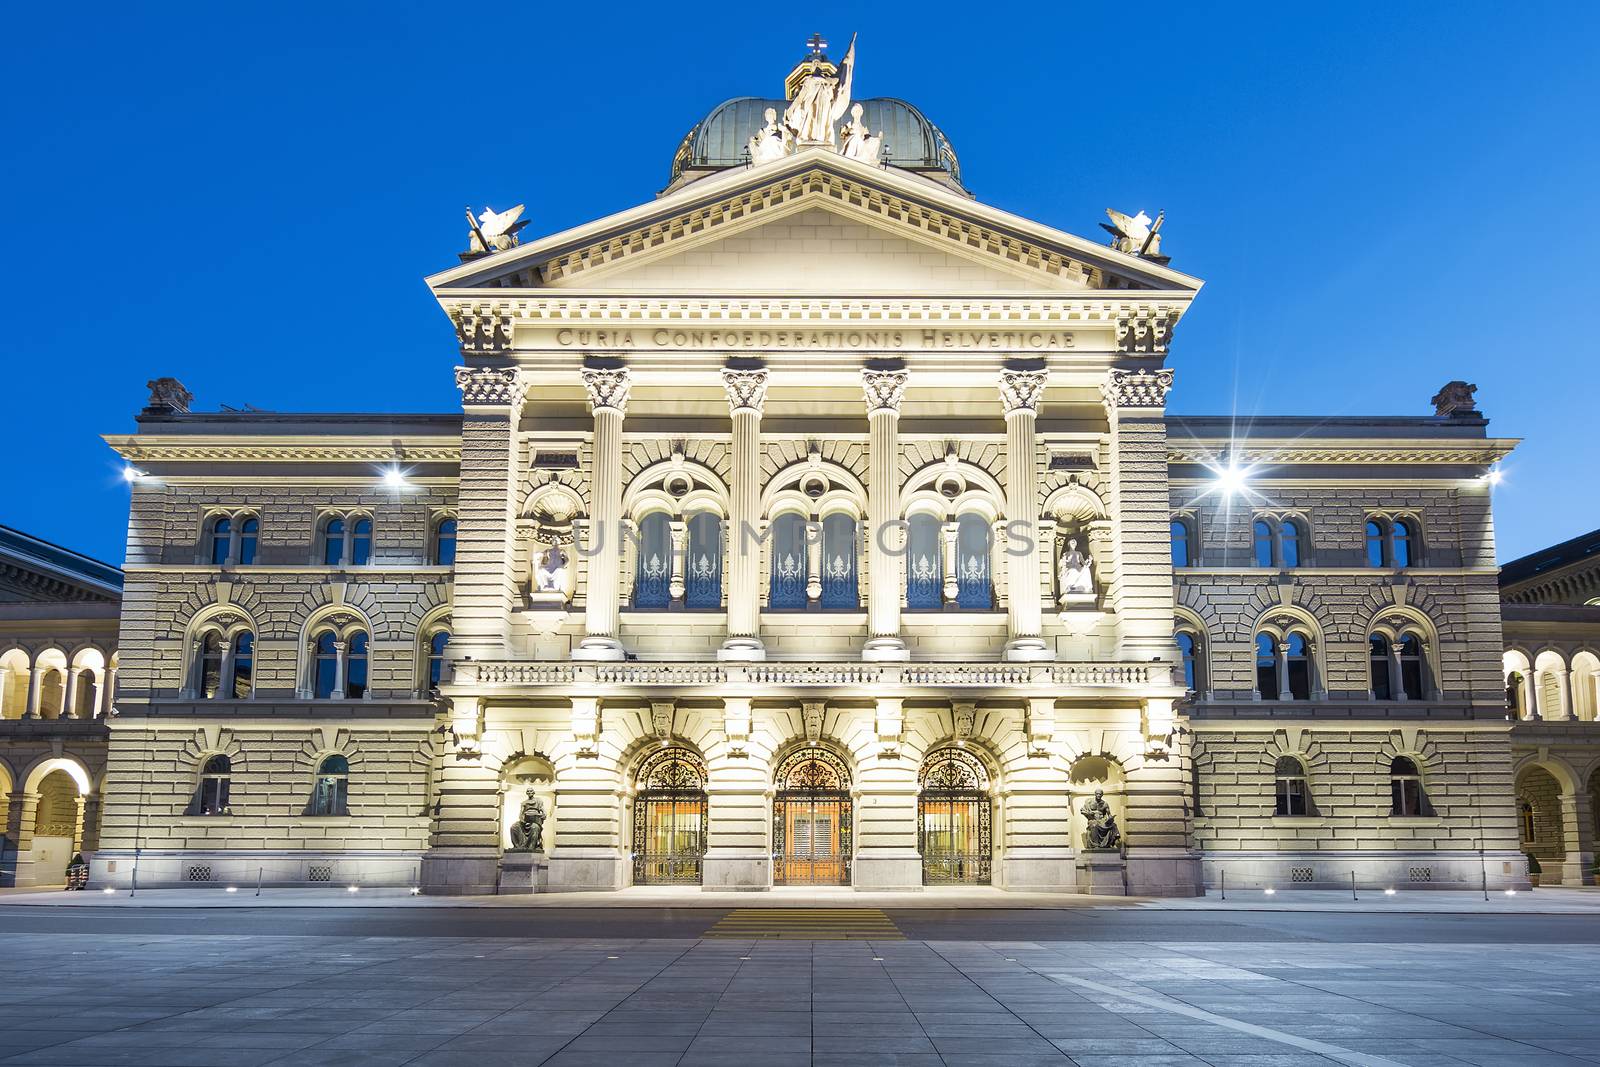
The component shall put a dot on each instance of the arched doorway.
(811, 820)
(954, 819)
(669, 818)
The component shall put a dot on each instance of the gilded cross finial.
(817, 46)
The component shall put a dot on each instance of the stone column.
(20, 821)
(886, 809)
(950, 539)
(484, 593)
(1577, 824)
(1141, 513)
(69, 698)
(1563, 694)
(885, 390)
(747, 393)
(341, 666)
(35, 691)
(1020, 395)
(737, 854)
(108, 698)
(5, 691)
(88, 824)
(608, 398)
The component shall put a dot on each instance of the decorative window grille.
(319, 872)
(788, 589)
(839, 588)
(1421, 874)
(1301, 874)
(653, 577)
(702, 586)
(924, 564)
(974, 591)
(198, 873)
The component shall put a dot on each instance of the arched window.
(1378, 664)
(839, 589)
(244, 661)
(249, 530)
(1181, 549)
(1405, 787)
(355, 669)
(1266, 666)
(1293, 795)
(331, 793)
(702, 579)
(361, 543)
(974, 590)
(208, 667)
(1289, 540)
(1374, 543)
(211, 798)
(1297, 664)
(1263, 543)
(444, 543)
(436, 647)
(924, 563)
(1404, 543)
(221, 540)
(1411, 666)
(787, 591)
(333, 542)
(325, 666)
(652, 577)
(1193, 660)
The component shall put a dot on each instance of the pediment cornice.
(143, 448)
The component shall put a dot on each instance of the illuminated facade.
(812, 523)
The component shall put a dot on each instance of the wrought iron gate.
(811, 838)
(954, 836)
(669, 820)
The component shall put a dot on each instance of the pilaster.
(484, 590)
(608, 399)
(884, 391)
(1020, 395)
(747, 392)
(1135, 402)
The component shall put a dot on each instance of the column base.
(742, 650)
(736, 871)
(599, 650)
(1029, 650)
(885, 650)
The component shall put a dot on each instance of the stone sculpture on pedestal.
(1101, 834)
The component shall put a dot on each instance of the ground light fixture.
(1269, 891)
(351, 888)
(108, 890)
(231, 889)
(1511, 892)
(1388, 892)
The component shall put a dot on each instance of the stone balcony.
(1086, 679)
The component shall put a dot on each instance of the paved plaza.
(775, 987)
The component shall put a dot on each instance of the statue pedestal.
(523, 872)
(545, 611)
(1100, 873)
(1080, 612)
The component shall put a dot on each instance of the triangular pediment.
(816, 216)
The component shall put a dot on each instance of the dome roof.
(910, 141)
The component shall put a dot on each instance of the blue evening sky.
(247, 197)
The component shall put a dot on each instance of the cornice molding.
(249, 448)
(1479, 453)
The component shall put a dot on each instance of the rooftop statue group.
(812, 117)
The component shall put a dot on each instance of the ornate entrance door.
(811, 827)
(669, 819)
(954, 814)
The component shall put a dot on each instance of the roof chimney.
(1454, 401)
(167, 397)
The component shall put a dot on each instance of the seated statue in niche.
(1101, 832)
(550, 572)
(1074, 573)
(527, 833)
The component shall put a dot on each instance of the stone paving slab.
(240, 1001)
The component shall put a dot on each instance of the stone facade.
(813, 523)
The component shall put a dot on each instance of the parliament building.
(815, 523)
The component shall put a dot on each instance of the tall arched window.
(444, 543)
(221, 540)
(1411, 664)
(1293, 796)
(1297, 663)
(249, 531)
(1378, 666)
(1374, 543)
(1404, 541)
(1193, 660)
(436, 646)
(330, 794)
(211, 797)
(355, 669)
(1289, 539)
(1266, 666)
(244, 662)
(333, 542)
(924, 563)
(1263, 542)
(702, 579)
(1405, 787)
(1182, 550)
(787, 591)
(208, 666)
(839, 588)
(974, 588)
(325, 665)
(652, 576)
(361, 542)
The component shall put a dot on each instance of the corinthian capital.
(884, 388)
(608, 389)
(1021, 390)
(1137, 388)
(747, 389)
(499, 386)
